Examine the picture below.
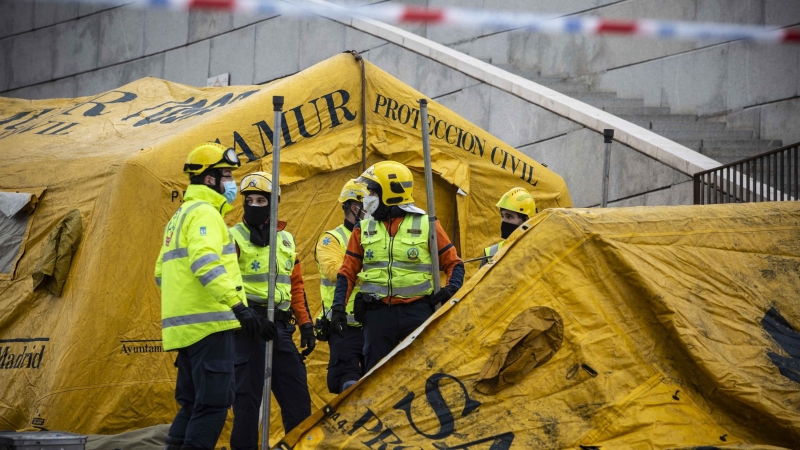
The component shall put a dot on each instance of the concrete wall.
(68, 51)
(750, 86)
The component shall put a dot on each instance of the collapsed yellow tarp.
(91, 361)
(661, 327)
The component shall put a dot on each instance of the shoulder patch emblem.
(326, 240)
(202, 231)
(413, 253)
(369, 254)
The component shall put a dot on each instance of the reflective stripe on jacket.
(340, 235)
(398, 266)
(254, 265)
(491, 251)
(197, 271)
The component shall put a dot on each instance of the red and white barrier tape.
(395, 13)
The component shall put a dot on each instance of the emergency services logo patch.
(412, 253)
(255, 265)
(369, 254)
(288, 264)
(202, 231)
(326, 240)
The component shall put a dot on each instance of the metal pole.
(277, 103)
(608, 136)
(426, 150)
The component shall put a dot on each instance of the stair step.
(703, 134)
(636, 110)
(672, 125)
(727, 159)
(733, 154)
(665, 117)
(764, 144)
(586, 95)
(612, 102)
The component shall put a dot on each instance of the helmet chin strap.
(358, 214)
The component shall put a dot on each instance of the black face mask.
(506, 229)
(256, 216)
(382, 212)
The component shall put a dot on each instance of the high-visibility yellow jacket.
(197, 271)
(398, 266)
(329, 254)
(491, 251)
(254, 265)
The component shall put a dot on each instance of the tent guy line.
(395, 13)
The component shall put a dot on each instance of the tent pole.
(608, 135)
(277, 103)
(363, 114)
(432, 239)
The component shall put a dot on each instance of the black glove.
(268, 329)
(338, 320)
(251, 323)
(444, 294)
(307, 338)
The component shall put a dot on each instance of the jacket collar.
(206, 194)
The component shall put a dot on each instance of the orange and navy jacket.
(449, 262)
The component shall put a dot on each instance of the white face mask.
(371, 204)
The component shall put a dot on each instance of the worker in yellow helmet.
(345, 366)
(516, 207)
(289, 377)
(393, 250)
(202, 299)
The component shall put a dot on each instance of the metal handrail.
(768, 177)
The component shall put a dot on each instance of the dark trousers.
(289, 385)
(204, 389)
(385, 326)
(347, 360)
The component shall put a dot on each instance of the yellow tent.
(661, 327)
(87, 185)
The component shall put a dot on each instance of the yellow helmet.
(519, 201)
(257, 182)
(395, 181)
(353, 190)
(210, 155)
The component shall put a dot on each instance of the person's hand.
(268, 329)
(251, 323)
(443, 295)
(338, 320)
(307, 338)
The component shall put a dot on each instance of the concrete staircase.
(711, 138)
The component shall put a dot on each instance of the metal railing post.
(608, 137)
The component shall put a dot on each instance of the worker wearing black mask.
(516, 206)
(289, 378)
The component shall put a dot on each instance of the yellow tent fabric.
(51, 271)
(660, 327)
(91, 361)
